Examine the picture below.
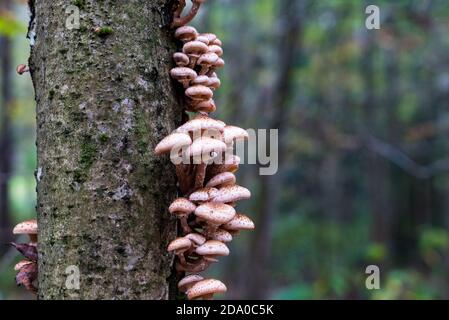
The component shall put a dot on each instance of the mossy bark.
(104, 99)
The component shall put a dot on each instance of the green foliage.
(10, 26)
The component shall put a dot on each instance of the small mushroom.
(174, 140)
(201, 80)
(203, 39)
(239, 222)
(181, 59)
(214, 83)
(180, 21)
(222, 180)
(179, 246)
(212, 249)
(199, 93)
(194, 49)
(186, 33)
(203, 106)
(200, 123)
(220, 235)
(209, 36)
(214, 214)
(206, 61)
(183, 75)
(220, 63)
(27, 275)
(231, 133)
(21, 263)
(29, 228)
(204, 149)
(205, 289)
(203, 195)
(215, 49)
(188, 281)
(22, 68)
(196, 239)
(182, 208)
(232, 194)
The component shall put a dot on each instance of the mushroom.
(201, 80)
(199, 93)
(27, 275)
(220, 235)
(216, 42)
(222, 180)
(206, 61)
(196, 239)
(239, 222)
(203, 195)
(194, 49)
(204, 149)
(200, 123)
(180, 21)
(215, 49)
(206, 289)
(186, 33)
(231, 194)
(209, 36)
(21, 264)
(214, 83)
(214, 214)
(231, 133)
(188, 281)
(182, 208)
(212, 249)
(183, 75)
(28, 227)
(204, 106)
(179, 246)
(203, 39)
(174, 140)
(217, 65)
(22, 68)
(181, 59)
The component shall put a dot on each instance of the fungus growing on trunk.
(207, 187)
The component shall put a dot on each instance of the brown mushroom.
(203, 195)
(181, 59)
(206, 61)
(222, 180)
(175, 140)
(214, 214)
(232, 194)
(186, 33)
(179, 246)
(239, 222)
(182, 208)
(29, 228)
(212, 249)
(194, 49)
(199, 93)
(188, 281)
(205, 289)
(183, 75)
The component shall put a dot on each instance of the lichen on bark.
(103, 102)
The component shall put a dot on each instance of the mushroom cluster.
(27, 268)
(205, 166)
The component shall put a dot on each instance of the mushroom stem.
(180, 7)
(181, 21)
(185, 225)
(33, 238)
(199, 266)
(200, 175)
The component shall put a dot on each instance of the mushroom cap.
(215, 213)
(194, 48)
(22, 263)
(208, 59)
(201, 80)
(204, 194)
(210, 36)
(222, 179)
(201, 122)
(26, 227)
(182, 206)
(181, 59)
(186, 33)
(196, 238)
(232, 193)
(188, 281)
(205, 147)
(205, 287)
(176, 139)
(216, 42)
(183, 73)
(212, 248)
(204, 106)
(215, 49)
(203, 39)
(199, 92)
(221, 235)
(214, 83)
(231, 133)
(239, 222)
(179, 244)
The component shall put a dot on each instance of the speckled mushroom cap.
(196, 238)
(171, 141)
(26, 227)
(206, 288)
(215, 213)
(221, 180)
(186, 33)
(204, 106)
(215, 49)
(194, 48)
(179, 244)
(182, 206)
(205, 146)
(202, 122)
(231, 133)
(203, 195)
(201, 80)
(199, 92)
(212, 248)
(21, 264)
(181, 59)
(221, 235)
(239, 222)
(232, 194)
(188, 281)
(209, 36)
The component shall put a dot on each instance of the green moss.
(88, 152)
(103, 137)
(103, 31)
(79, 3)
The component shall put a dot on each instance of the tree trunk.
(104, 99)
(5, 135)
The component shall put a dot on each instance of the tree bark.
(104, 99)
